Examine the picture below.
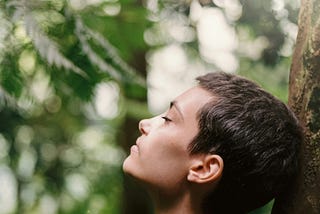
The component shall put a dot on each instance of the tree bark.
(304, 100)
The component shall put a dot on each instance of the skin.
(160, 159)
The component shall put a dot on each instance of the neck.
(184, 204)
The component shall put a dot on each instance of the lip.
(134, 149)
(138, 141)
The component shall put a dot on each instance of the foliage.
(82, 52)
(58, 145)
(69, 76)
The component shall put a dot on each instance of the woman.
(224, 146)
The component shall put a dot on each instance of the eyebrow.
(176, 106)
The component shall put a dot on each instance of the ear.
(205, 168)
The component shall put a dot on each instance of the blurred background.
(76, 76)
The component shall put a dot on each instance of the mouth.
(138, 141)
(135, 148)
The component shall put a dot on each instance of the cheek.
(170, 142)
(167, 151)
(164, 168)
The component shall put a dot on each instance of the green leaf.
(10, 76)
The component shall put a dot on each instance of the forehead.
(193, 99)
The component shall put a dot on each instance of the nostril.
(142, 127)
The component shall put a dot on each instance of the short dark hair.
(257, 136)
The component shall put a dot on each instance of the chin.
(131, 169)
(125, 166)
(128, 166)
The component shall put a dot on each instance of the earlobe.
(205, 169)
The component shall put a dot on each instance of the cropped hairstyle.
(257, 136)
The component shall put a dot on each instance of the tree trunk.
(304, 99)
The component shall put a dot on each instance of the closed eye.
(166, 119)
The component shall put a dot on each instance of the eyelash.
(166, 119)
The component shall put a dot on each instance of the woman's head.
(160, 159)
(227, 137)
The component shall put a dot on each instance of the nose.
(144, 126)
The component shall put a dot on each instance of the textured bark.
(304, 99)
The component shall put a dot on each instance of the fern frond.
(112, 52)
(47, 48)
(84, 32)
(6, 99)
(93, 57)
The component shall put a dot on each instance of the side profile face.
(160, 158)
